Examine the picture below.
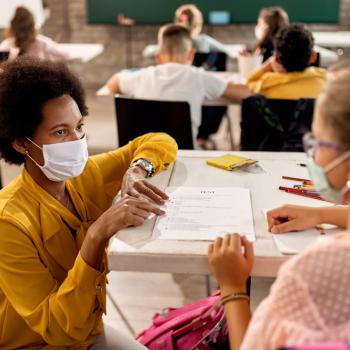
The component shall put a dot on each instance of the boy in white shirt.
(174, 78)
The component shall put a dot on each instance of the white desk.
(327, 57)
(83, 52)
(136, 250)
(233, 50)
(332, 39)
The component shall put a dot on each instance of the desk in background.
(327, 57)
(332, 39)
(83, 52)
(136, 250)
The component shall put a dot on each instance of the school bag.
(197, 326)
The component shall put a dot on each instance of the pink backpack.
(197, 326)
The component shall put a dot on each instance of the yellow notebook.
(230, 162)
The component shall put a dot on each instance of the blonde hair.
(194, 18)
(174, 40)
(22, 29)
(335, 112)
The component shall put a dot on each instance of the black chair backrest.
(4, 55)
(317, 62)
(275, 124)
(136, 117)
(212, 61)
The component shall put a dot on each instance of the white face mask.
(63, 160)
(259, 32)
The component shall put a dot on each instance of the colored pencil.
(305, 181)
(300, 192)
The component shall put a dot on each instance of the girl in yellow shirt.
(56, 218)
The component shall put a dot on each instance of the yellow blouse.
(48, 294)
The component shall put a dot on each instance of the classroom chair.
(317, 62)
(212, 61)
(136, 117)
(4, 55)
(275, 124)
(211, 115)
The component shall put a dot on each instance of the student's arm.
(236, 92)
(216, 87)
(213, 44)
(232, 268)
(124, 82)
(113, 84)
(297, 218)
(259, 72)
(54, 51)
(150, 51)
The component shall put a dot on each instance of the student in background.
(270, 21)
(23, 39)
(309, 302)
(174, 78)
(286, 74)
(191, 17)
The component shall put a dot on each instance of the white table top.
(327, 56)
(332, 39)
(83, 52)
(136, 250)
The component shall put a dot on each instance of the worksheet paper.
(202, 214)
(296, 242)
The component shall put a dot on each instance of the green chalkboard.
(242, 11)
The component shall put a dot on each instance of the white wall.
(7, 9)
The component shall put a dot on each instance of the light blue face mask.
(319, 178)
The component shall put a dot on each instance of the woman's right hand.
(128, 211)
(293, 218)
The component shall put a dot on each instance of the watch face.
(146, 165)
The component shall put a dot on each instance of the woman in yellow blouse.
(56, 218)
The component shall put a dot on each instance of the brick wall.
(68, 23)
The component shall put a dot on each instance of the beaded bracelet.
(234, 296)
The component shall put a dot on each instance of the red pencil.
(299, 192)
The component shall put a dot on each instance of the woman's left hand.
(135, 185)
(231, 267)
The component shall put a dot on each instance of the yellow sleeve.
(254, 81)
(159, 148)
(63, 314)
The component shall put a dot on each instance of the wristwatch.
(145, 165)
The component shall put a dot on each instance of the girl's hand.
(230, 266)
(292, 218)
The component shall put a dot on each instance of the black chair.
(212, 61)
(4, 55)
(211, 116)
(274, 124)
(317, 62)
(136, 117)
